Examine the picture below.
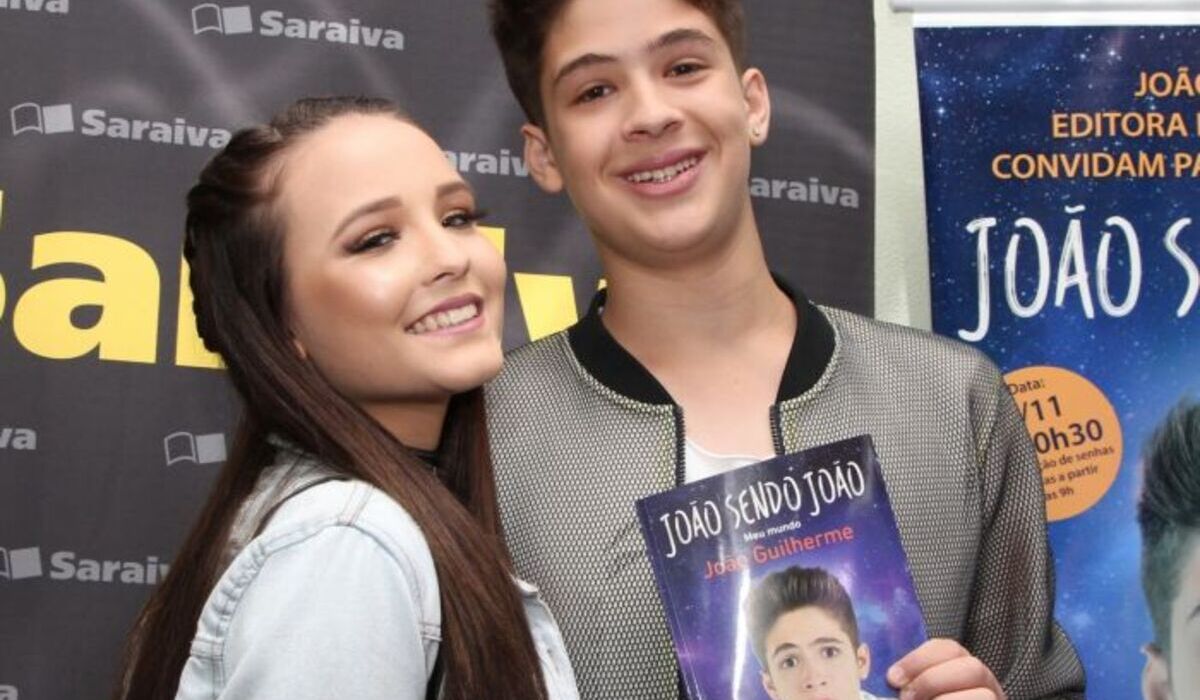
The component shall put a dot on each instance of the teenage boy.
(1169, 517)
(696, 359)
(804, 633)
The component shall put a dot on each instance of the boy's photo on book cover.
(805, 635)
(785, 579)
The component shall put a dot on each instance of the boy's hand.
(942, 668)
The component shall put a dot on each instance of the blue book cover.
(786, 578)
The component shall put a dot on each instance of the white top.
(699, 463)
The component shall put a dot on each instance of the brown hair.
(233, 244)
(520, 28)
(1168, 511)
(781, 592)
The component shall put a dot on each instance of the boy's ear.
(1156, 677)
(863, 656)
(540, 159)
(758, 105)
(769, 686)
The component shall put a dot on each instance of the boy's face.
(1178, 677)
(809, 656)
(648, 127)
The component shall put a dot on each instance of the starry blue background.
(705, 614)
(991, 90)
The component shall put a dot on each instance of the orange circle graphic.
(1076, 433)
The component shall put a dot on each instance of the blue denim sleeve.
(324, 612)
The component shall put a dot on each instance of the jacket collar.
(612, 365)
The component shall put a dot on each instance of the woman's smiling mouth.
(445, 318)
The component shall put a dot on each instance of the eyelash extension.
(473, 215)
(364, 244)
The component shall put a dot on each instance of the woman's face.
(392, 291)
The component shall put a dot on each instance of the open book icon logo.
(52, 119)
(210, 17)
(16, 564)
(197, 449)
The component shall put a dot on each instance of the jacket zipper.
(776, 430)
(680, 466)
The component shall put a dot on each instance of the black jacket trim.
(812, 348)
(612, 365)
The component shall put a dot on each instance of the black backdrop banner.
(113, 418)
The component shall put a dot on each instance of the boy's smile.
(648, 128)
(665, 175)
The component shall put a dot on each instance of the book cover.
(786, 578)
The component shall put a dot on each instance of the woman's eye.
(787, 662)
(463, 219)
(373, 240)
(594, 93)
(830, 652)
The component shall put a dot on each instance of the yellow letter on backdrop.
(127, 330)
(548, 302)
(189, 348)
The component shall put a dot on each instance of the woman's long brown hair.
(233, 244)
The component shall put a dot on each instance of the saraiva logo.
(17, 438)
(813, 191)
(197, 449)
(17, 564)
(39, 316)
(58, 7)
(57, 119)
(224, 20)
(239, 19)
(51, 119)
(503, 163)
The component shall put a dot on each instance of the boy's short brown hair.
(1168, 511)
(795, 587)
(520, 28)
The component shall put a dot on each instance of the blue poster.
(1062, 168)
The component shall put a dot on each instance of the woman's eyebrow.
(368, 208)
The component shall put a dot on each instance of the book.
(210, 17)
(17, 564)
(26, 116)
(785, 577)
(183, 446)
(51, 119)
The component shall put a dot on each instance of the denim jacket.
(336, 596)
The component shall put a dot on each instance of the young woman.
(351, 546)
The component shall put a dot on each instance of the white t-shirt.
(699, 463)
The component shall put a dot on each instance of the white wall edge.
(1055, 19)
(1042, 5)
